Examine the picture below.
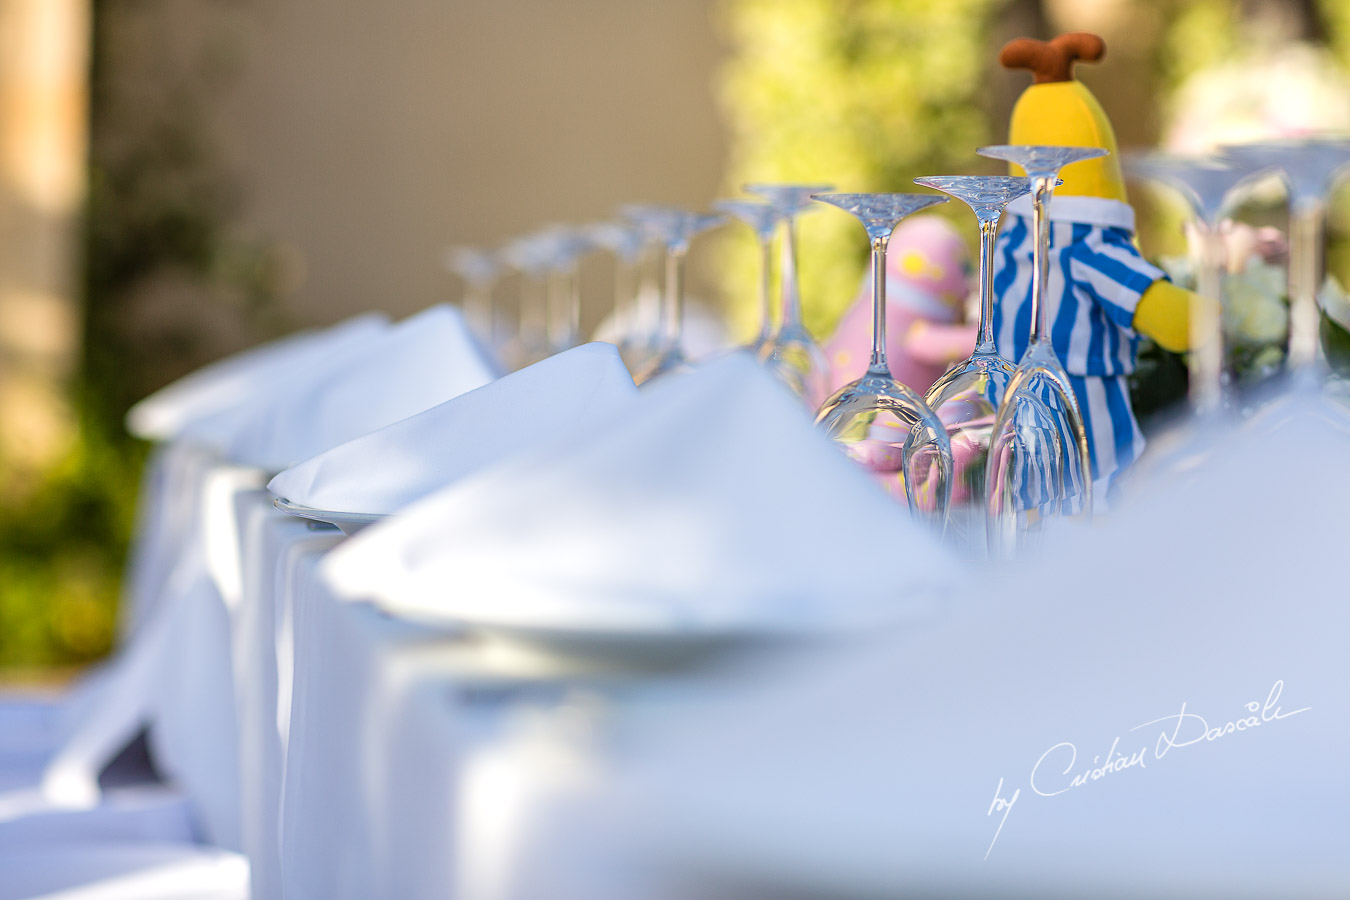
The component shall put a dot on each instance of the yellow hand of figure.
(1164, 314)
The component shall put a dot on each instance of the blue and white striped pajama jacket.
(1096, 279)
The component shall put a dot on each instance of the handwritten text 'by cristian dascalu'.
(1059, 771)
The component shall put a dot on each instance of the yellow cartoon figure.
(1102, 294)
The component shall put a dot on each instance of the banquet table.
(388, 758)
(375, 756)
(432, 761)
(421, 761)
(350, 741)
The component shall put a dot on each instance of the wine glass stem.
(1043, 186)
(985, 341)
(562, 309)
(765, 287)
(533, 326)
(672, 324)
(1308, 218)
(573, 305)
(1206, 356)
(878, 365)
(649, 304)
(478, 308)
(625, 300)
(791, 309)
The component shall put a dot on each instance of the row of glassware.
(995, 449)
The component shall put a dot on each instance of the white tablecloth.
(353, 755)
(425, 765)
(396, 779)
(270, 541)
(330, 718)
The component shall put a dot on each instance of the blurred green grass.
(63, 540)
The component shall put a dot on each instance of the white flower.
(1268, 278)
(1254, 310)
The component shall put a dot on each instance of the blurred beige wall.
(369, 136)
(43, 99)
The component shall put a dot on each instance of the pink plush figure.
(928, 277)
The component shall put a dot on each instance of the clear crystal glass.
(479, 269)
(625, 243)
(762, 218)
(872, 417)
(1211, 187)
(966, 399)
(1039, 416)
(1310, 168)
(529, 344)
(677, 230)
(643, 344)
(562, 248)
(790, 352)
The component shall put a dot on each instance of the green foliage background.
(866, 94)
(159, 202)
(62, 542)
(863, 94)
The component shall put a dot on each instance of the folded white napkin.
(230, 383)
(578, 390)
(713, 505)
(410, 366)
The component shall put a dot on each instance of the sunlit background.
(182, 178)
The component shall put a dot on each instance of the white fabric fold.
(713, 505)
(231, 383)
(1164, 717)
(411, 366)
(578, 390)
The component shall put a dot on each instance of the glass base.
(966, 400)
(797, 360)
(872, 420)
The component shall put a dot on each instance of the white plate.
(642, 635)
(627, 649)
(346, 522)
